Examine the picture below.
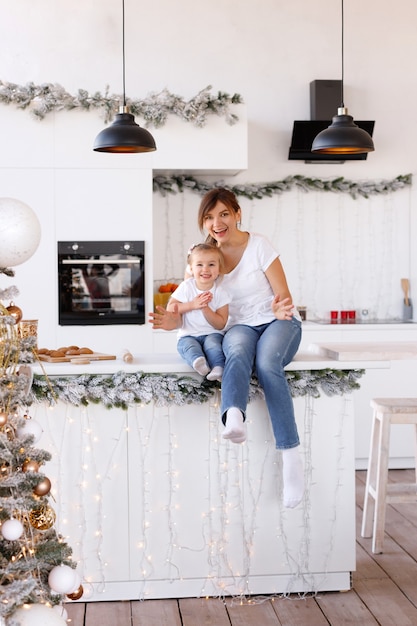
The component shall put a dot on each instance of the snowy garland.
(154, 109)
(181, 183)
(122, 389)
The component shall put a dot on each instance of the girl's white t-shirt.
(250, 291)
(194, 323)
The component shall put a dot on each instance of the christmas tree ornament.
(43, 487)
(37, 615)
(15, 312)
(77, 583)
(42, 518)
(12, 529)
(4, 470)
(9, 431)
(26, 370)
(20, 232)
(29, 465)
(76, 595)
(3, 418)
(30, 427)
(62, 579)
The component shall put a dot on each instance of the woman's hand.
(282, 309)
(167, 320)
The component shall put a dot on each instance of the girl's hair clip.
(191, 248)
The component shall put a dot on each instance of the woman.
(262, 335)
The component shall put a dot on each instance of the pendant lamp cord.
(343, 64)
(123, 52)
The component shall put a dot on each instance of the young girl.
(204, 306)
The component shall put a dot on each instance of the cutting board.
(74, 358)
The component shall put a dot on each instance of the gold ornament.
(42, 518)
(15, 312)
(4, 470)
(76, 595)
(29, 465)
(3, 418)
(9, 432)
(43, 487)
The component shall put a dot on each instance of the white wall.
(268, 52)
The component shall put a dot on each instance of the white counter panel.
(156, 504)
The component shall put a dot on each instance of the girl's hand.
(202, 300)
(283, 310)
(167, 320)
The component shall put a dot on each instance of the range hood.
(324, 102)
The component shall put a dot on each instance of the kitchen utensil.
(408, 311)
(405, 285)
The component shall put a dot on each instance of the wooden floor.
(384, 589)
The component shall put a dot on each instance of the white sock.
(235, 429)
(216, 373)
(292, 476)
(200, 366)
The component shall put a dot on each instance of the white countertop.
(367, 351)
(173, 363)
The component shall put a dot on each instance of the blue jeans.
(209, 346)
(264, 350)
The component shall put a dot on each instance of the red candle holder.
(334, 316)
(352, 317)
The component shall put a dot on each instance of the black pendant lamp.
(343, 136)
(124, 136)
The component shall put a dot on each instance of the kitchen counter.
(367, 351)
(172, 362)
(156, 504)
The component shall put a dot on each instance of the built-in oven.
(101, 282)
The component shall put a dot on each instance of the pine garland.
(154, 109)
(124, 389)
(181, 183)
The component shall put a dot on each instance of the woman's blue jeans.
(209, 346)
(264, 350)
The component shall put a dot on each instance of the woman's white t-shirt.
(194, 323)
(250, 291)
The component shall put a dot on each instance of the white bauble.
(62, 579)
(12, 529)
(77, 582)
(20, 232)
(37, 615)
(30, 427)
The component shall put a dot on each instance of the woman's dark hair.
(209, 201)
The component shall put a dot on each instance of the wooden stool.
(378, 493)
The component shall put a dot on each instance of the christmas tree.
(36, 570)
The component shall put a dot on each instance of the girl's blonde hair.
(206, 247)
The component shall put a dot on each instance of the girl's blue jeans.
(209, 346)
(264, 350)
